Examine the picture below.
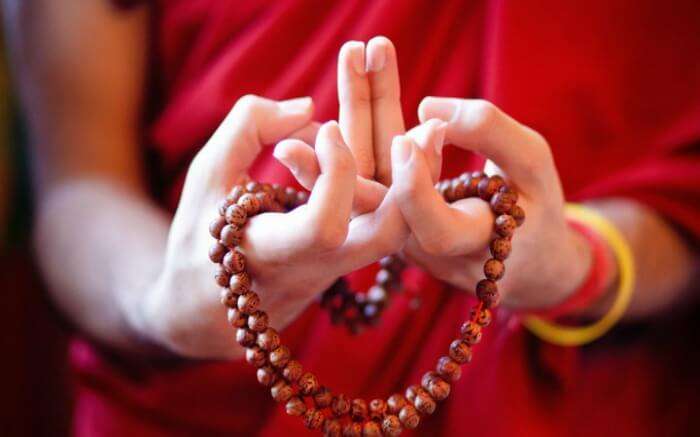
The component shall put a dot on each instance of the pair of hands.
(372, 194)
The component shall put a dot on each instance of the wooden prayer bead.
(231, 236)
(302, 198)
(295, 407)
(384, 277)
(236, 318)
(235, 194)
(221, 276)
(352, 429)
(228, 298)
(409, 417)
(290, 197)
(236, 215)
(249, 302)
(377, 294)
(280, 356)
(459, 189)
(265, 200)
(216, 226)
(308, 384)
(449, 369)
(460, 351)
(281, 391)
(518, 214)
(471, 332)
(255, 356)
(250, 204)
(494, 269)
(323, 398)
(358, 410)
(222, 206)
(217, 252)
(267, 376)
(253, 186)
(377, 409)
(472, 184)
(313, 419)
(505, 225)
(268, 340)
(331, 428)
(371, 429)
(487, 292)
(340, 405)
(411, 393)
(278, 191)
(395, 403)
(234, 261)
(503, 201)
(424, 402)
(239, 283)
(500, 248)
(391, 426)
(490, 186)
(258, 321)
(483, 318)
(292, 371)
(245, 337)
(438, 388)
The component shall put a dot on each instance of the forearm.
(101, 248)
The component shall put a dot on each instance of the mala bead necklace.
(300, 391)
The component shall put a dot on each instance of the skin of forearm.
(101, 248)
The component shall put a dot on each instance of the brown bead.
(290, 197)
(472, 184)
(280, 357)
(409, 417)
(236, 318)
(487, 292)
(448, 192)
(395, 403)
(245, 337)
(424, 402)
(377, 409)
(460, 351)
(411, 393)
(323, 398)
(471, 332)
(383, 277)
(253, 186)
(268, 340)
(255, 356)
(222, 206)
(292, 371)
(490, 186)
(518, 214)
(267, 376)
(483, 318)
(459, 189)
(352, 429)
(278, 191)
(308, 383)
(281, 391)
(239, 283)
(340, 405)
(391, 426)
(358, 410)
(313, 419)
(234, 261)
(505, 225)
(235, 193)
(331, 428)
(295, 407)
(267, 202)
(502, 202)
(258, 321)
(236, 215)
(228, 298)
(438, 388)
(377, 294)
(216, 226)
(250, 204)
(500, 248)
(249, 302)
(371, 429)
(231, 236)
(217, 252)
(221, 276)
(302, 198)
(448, 369)
(494, 269)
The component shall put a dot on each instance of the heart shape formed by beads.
(300, 391)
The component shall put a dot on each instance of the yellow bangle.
(576, 336)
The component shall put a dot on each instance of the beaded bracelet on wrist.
(300, 391)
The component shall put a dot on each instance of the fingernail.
(376, 57)
(356, 51)
(440, 131)
(299, 105)
(332, 130)
(444, 109)
(401, 150)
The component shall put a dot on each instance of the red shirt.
(615, 88)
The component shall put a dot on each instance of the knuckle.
(483, 114)
(247, 104)
(327, 237)
(436, 245)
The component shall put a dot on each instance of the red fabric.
(614, 87)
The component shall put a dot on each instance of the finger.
(440, 229)
(480, 126)
(307, 133)
(387, 119)
(300, 159)
(430, 137)
(355, 112)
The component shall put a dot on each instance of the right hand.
(291, 257)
